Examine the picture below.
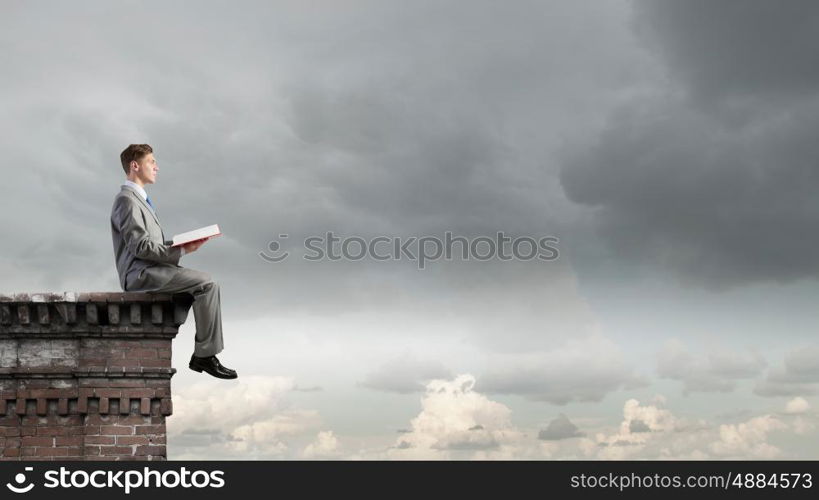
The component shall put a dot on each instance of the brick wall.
(86, 376)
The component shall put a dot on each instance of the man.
(147, 262)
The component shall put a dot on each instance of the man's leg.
(207, 309)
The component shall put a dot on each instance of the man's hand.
(194, 245)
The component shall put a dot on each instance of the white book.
(196, 234)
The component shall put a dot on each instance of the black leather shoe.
(212, 366)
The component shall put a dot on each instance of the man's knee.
(208, 283)
(203, 280)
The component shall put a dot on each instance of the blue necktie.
(148, 199)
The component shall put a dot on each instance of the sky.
(669, 147)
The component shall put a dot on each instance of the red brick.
(37, 441)
(108, 392)
(54, 430)
(10, 420)
(149, 429)
(68, 441)
(140, 393)
(59, 452)
(51, 393)
(155, 363)
(116, 430)
(127, 440)
(100, 440)
(141, 353)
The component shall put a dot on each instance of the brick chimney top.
(86, 376)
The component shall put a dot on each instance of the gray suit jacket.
(145, 260)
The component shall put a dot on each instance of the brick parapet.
(86, 376)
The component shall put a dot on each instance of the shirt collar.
(139, 189)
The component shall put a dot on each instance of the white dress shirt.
(144, 194)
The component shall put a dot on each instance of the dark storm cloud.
(735, 49)
(368, 117)
(716, 183)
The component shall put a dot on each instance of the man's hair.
(134, 152)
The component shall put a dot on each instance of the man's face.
(147, 170)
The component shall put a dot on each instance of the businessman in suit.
(147, 262)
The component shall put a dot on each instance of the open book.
(196, 234)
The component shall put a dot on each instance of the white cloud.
(803, 420)
(662, 435)
(325, 445)
(457, 421)
(249, 418)
(748, 439)
(797, 405)
(635, 430)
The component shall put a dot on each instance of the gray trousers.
(207, 308)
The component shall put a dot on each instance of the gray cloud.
(799, 375)
(637, 425)
(377, 117)
(364, 118)
(735, 49)
(711, 372)
(717, 183)
(405, 374)
(581, 370)
(559, 428)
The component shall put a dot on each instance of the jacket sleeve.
(128, 218)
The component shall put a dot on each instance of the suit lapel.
(144, 203)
